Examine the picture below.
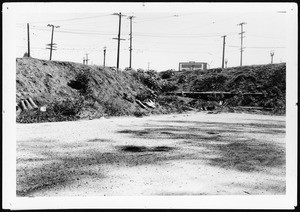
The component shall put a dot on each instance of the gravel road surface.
(178, 154)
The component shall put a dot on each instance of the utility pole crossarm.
(242, 36)
(52, 44)
(119, 35)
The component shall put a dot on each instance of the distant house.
(192, 66)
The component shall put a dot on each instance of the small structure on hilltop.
(192, 66)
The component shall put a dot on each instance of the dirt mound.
(267, 79)
(70, 90)
(59, 91)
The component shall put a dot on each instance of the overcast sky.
(163, 34)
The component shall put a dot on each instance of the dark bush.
(182, 79)
(144, 95)
(66, 110)
(167, 74)
(115, 107)
(68, 107)
(173, 104)
(211, 82)
(168, 87)
(81, 83)
(149, 78)
(139, 113)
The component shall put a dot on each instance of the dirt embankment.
(267, 79)
(75, 89)
(70, 91)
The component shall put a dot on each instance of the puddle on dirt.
(132, 148)
(212, 133)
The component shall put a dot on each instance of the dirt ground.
(180, 154)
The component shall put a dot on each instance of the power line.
(70, 19)
(265, 36)
(260, 47)
(158, 18)
(257, 47)
(137, 34)
(141, 20)
(140, 34)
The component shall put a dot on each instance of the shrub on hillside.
(115, 107)
(144, 95)
(167, 74)
(212, 82)
(66, 110)
(182, 79)
(168, 86)
(68, 107)
(173, 104)
(139, 113)
(82, 84)
(149, 78)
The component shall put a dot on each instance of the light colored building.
(192, 66)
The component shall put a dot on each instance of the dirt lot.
(182, 154)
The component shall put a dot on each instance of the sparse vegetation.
(103, 91)
(66, 110)
(266, 79)
(115, 107)
(149, 78)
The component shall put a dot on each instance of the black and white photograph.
(150, 105)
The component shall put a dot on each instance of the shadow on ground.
(237, 151)
(60, 164)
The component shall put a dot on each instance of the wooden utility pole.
(130, 47)
(241, 33)
(28, 41)
(86, 60)
(226, 61)
(272, 55)
(83, 60)
(224, 36)
(119, 34)
(52, 44)
(104, 52)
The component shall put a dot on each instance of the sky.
(163, 34)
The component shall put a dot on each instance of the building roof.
(193, 62)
